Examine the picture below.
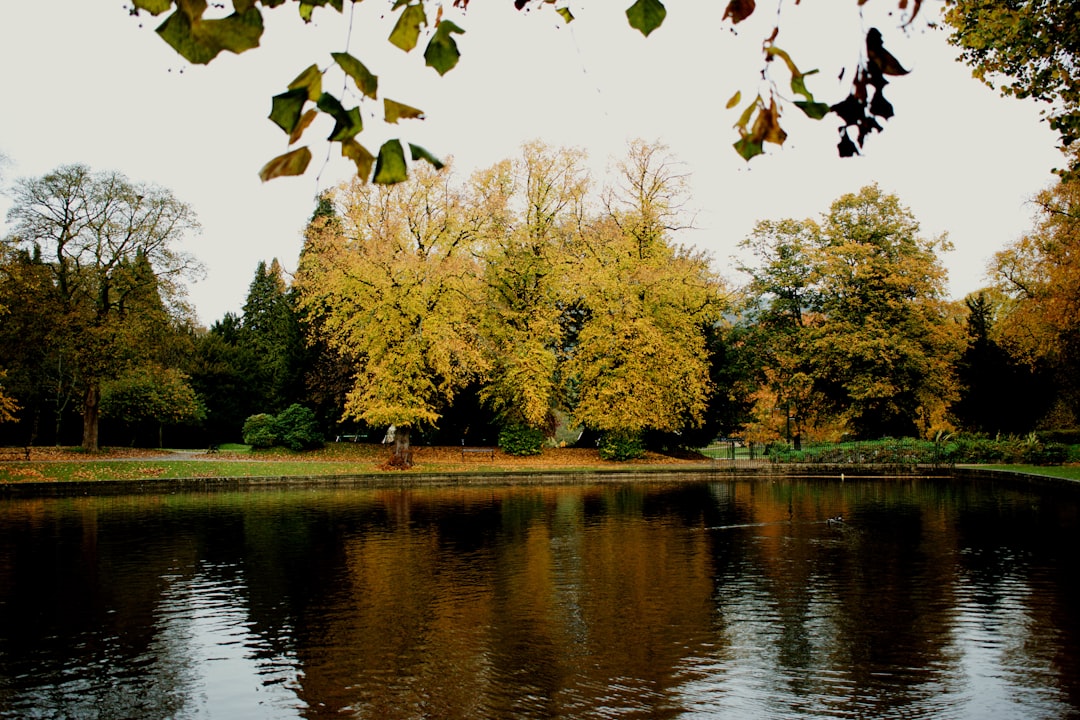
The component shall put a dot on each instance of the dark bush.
(260, 431)
(621, 446)
(521, 440)
(297, 428)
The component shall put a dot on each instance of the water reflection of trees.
(636, 600)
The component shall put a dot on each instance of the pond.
(713, 597)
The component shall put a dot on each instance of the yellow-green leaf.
(646, 15)
(291, 163)
(567, 16)
(301, 126)
(310, 80)
(406, 32)
(365, 81)
(390, 167)
(442, 51)
(734, 99)
(199, 41)
(360, 156)
(394, 111)
(154, 7)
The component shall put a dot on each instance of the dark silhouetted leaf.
(846, 147)
(394, 111)
(390, 167)
(879, 56)
(646, 15)
(365, 81)
(419, 153)
(881, 107)
(739, 10)
(442, 51)
(850, 110)
(287, 107)
(291, 163)
(406, 32)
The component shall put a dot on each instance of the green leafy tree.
(109, 246)
(395, 290)
(151, 393)
(271, 334)
(1028, 48)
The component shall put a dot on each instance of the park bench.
(490, 452)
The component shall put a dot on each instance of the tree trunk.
(91, 416)
(402, 450)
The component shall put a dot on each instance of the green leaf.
(442, 52)
(154, 7)
(567, 16)
(310, 80)
(365, 81)
(347, 122)
(390, 167)
(287, 107)
(305, 11)
(406, 32)
(291, 163)
(199, 41)
(646, 15)
(814, 110)
(360, 157)
(748, 148)
(419, 153)
(394, 111)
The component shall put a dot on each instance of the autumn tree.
(108, 246)
(854, 325)
(779, 308)
(640, 360)
(150, 394)
(530, 207)
(1039, 274)
(884, 352)
(394, 288)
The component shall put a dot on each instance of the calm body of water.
(711, 599)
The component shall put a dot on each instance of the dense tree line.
(529, 302)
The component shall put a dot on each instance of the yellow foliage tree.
(394, 286)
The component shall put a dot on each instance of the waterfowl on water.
(838, 520)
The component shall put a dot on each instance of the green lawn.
(1070, 472)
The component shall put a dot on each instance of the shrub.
(621, 446)
(260, 431)
(521, 440)
(297, 428)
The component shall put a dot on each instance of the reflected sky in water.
(712, 598)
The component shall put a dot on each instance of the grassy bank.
(60, 465)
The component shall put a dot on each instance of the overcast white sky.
(84, 82)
